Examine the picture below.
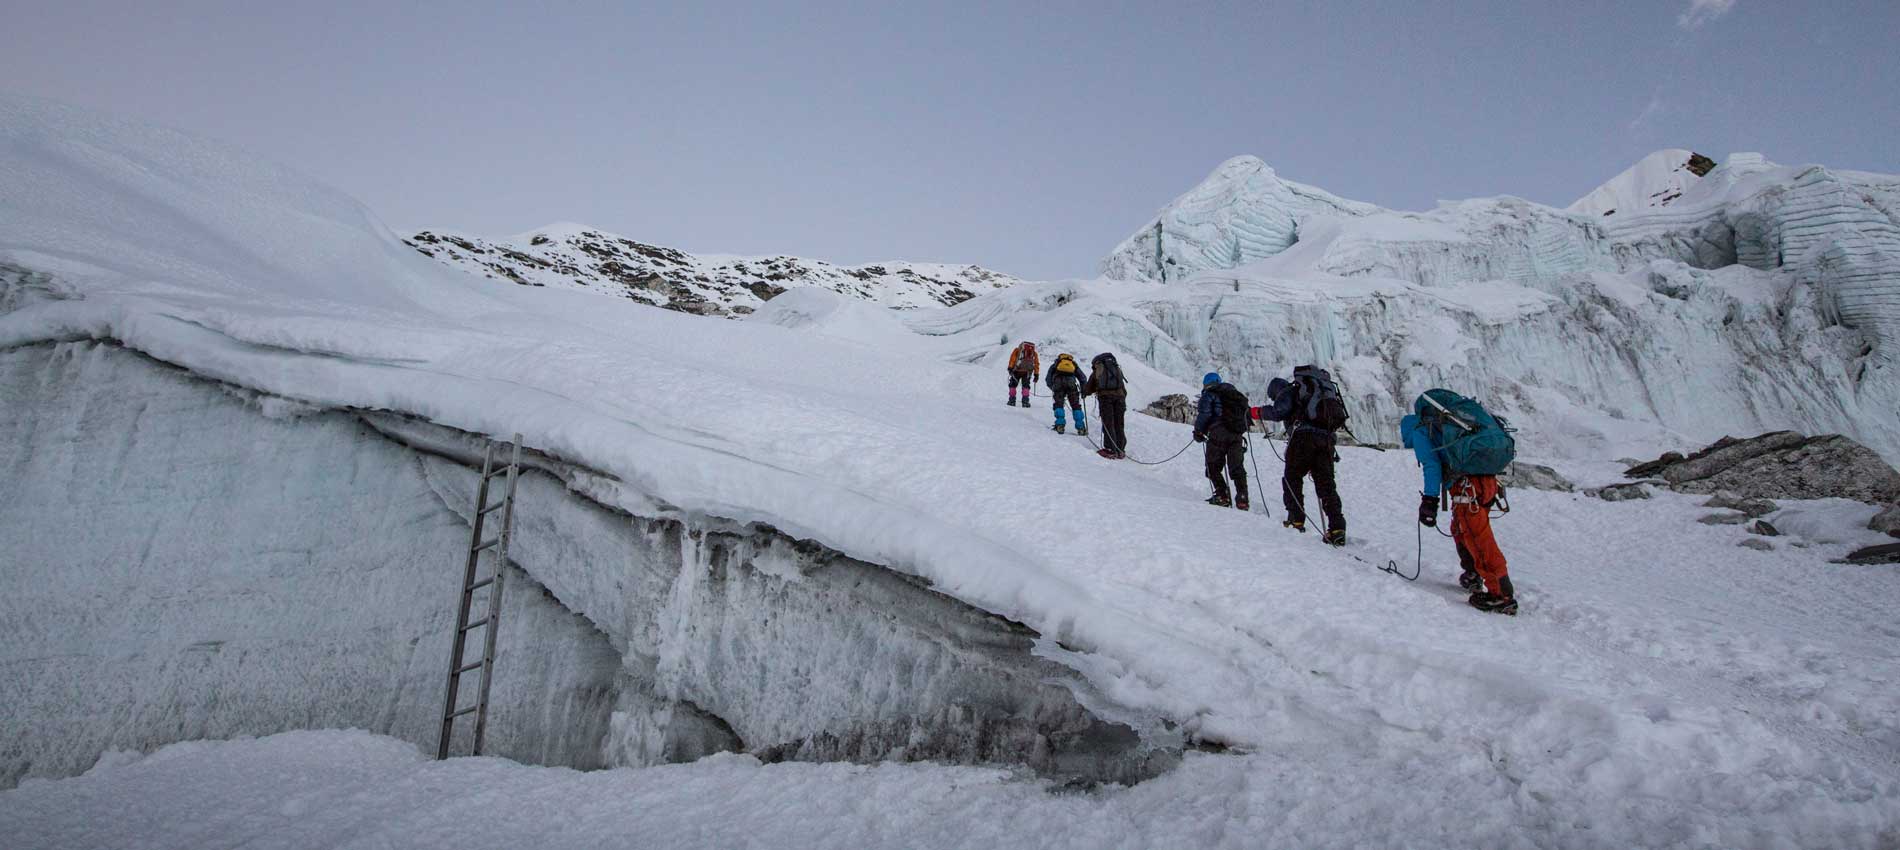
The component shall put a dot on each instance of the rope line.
(1099, 447)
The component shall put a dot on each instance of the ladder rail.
(458, 638)
(494, 595)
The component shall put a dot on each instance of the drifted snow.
(1663, 686)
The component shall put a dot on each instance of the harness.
(1463, 492)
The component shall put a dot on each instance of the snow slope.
(1664, 686)
(1758, 297)
(1656, 180)
(574, 256)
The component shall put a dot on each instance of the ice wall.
(196, 561)
(1751, 298)
(186, 562)
(1241, 213)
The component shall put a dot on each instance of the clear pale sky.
(1029, 137)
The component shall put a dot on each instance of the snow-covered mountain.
(1241, 213)
(1753, 298)
(574, 256)
(1657, 180)
(238, 449)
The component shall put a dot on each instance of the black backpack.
(1108, 373)
(1233, 407)
(1321, 404)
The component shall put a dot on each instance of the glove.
(1428, 511)
(1200, 437)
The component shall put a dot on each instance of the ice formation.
(817, 533)
(1753, 298)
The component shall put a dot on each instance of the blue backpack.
(1468, 439)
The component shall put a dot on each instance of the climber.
(1484, 572)
(1065, 383)
(1222, 425)
(1110, 389)
(1023, 365)
(1313, 409)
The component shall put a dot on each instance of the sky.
(1027, 137)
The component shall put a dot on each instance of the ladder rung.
(481, 584)
(475, 625)
(490, 544)
(467, 667)
(492, 508)
(460, 712)
(498, 472)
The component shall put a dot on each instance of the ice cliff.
(1747, 298)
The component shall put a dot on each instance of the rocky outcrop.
(1537, 477)
(577, 257)
(1887, 522)
(1173, 408)
(1885, 554)
(1750, 508)
(1780, 465)
(1620, 492)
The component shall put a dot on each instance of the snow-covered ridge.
(1664, 686)
(1656, 180)
(1749, 298)
(1241, 213)
(574, 256)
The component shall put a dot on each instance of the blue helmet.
(1210, 378)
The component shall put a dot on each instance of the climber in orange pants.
(1472, 498)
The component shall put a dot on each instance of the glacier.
(1756, 297)
(748, 535)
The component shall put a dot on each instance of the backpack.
(1023, 359)
(1066, 364)
(1466, 437)
(1109, 373)
(1322, 406)
(1233, 407)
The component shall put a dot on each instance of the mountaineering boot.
(1335, 537)
(1240, 501)
(1494, 604)
(1470, 581)
(1108, 454)
(1296, 525)
(1220, 500)
(1082, 430)
(1058, 428)
(1012, 399)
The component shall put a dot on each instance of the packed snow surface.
(1663, 687)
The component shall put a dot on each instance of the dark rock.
(1764, 528)
(1647, 470)
(1757, 544)
(1730, 518)
(1887, 521)
(1620, 492)
(1780, 465)
(1888, 553)
(1174, 408)
(1750, 507)
(1537, 477)
(1700, 165)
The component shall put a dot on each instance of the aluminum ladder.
(458, 665)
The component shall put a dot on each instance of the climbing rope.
(1390, 566)
(1091, 438)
